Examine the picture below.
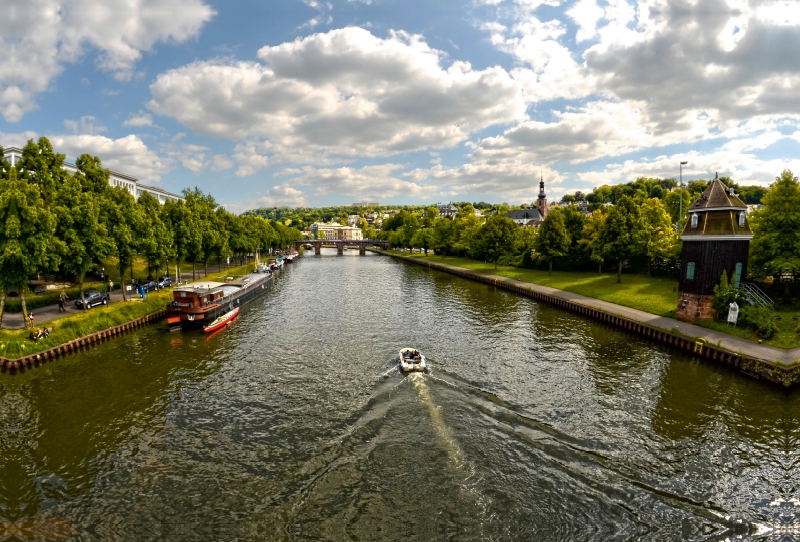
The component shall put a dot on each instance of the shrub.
(759, 319)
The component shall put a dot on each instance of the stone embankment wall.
(758, 368)
(78, 345)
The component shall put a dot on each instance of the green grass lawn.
(656, 295)
(17, 343)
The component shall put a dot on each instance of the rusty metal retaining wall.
(78, 345)
(754, 367)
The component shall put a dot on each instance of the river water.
(295, 424)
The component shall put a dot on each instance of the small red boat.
(222, 321)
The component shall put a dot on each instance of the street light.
(680, 211)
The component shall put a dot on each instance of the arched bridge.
(341, 244)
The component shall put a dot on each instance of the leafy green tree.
(43, 167)
(423, 238)
(155, 239)
(429, 216)
(659, 236)
(495, 238)
(553, 240)
(465, 231)
(80, 230)
(95, 178)
(187, 239)
(775, 248)
(590, 238)
(621, 235)
(443, 232)
(27, 241)
(123, 220)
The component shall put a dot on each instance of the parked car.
(93, 299)
(164, 282)
(150, 285)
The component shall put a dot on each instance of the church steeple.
(541, 204)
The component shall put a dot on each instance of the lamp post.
(680, 211)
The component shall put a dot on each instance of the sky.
(316, 103)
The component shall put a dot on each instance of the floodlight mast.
(680, 211)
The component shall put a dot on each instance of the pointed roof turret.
(717, 197)
(717, 215)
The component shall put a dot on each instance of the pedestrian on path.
(30, 320)
(62, 300)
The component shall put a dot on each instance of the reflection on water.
(295, 424)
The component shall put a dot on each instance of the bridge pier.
(317, 248)
(362, 249)
(340, 249)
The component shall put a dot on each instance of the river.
(295, 424)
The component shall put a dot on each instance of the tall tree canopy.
(775, 248)
(621, 235)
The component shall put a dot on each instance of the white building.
(333, 231)
(13, 155)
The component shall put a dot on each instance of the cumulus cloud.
(344, 93)
(86, 125)
(368, 182)
(505, 179)
(140, 120)
(37, 37)
(221, 162)
(282, 195)
(127, 154)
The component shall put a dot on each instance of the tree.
(495, 238)
(465, 230)
(590, 238)
(155, 239)
(658, 234)
(443, 230)
(27, 243)
(775, 248)
(553, 240)
(429, 216)
(621, 236)
(123, 219)
(423, 238)
(43, 167)
(79, 228)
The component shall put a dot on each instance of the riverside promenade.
(758, 360)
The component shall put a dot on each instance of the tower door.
(737, 276)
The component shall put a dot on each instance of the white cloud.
(86, 125)
(37, 37)
(344, 93)
(221, 162)
(277, 196)
(505, 179)
(368, 182)
(139, 120)
(128, 154)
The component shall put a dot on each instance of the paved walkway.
(15, 320)
(723, 340)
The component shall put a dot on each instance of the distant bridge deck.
(341, 244)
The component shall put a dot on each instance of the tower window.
(741, 220)
(694, 220)
(737, 276)
(690, 271)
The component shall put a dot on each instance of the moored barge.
(200, 303)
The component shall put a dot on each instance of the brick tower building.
(716, 238)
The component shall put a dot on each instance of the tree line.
(62, 223)
(567, 236)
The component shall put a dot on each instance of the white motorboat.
(411, 360)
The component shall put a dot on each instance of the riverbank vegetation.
(65, 224)
(17, 343)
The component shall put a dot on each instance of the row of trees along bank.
(57, 222)
(567, 237)
(636, 229)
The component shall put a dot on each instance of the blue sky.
(304, 102)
